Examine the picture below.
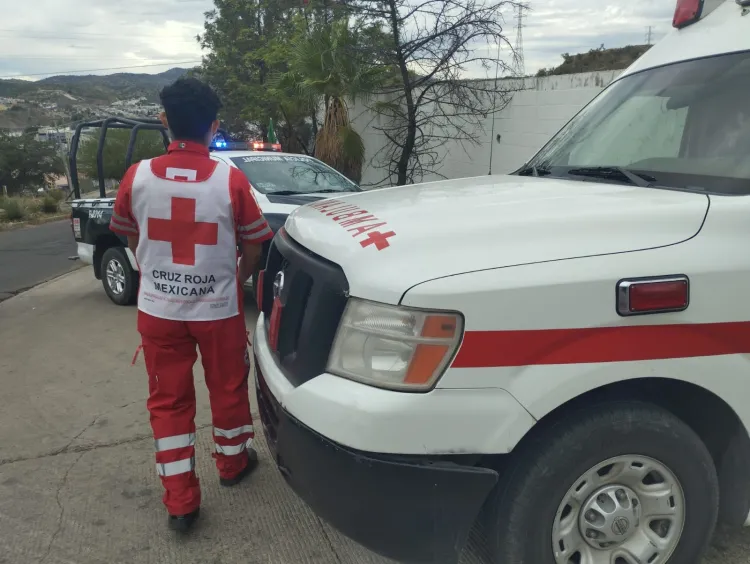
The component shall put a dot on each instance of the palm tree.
(330, 63)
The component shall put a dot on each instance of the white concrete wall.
(536, 112)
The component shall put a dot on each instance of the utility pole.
(494, 106)
(63, 150)
(649, 35)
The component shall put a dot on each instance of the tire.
(119, 279)
(528, 512)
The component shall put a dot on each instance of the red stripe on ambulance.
(364, 227)
(486, 349)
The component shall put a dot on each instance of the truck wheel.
(620, 483)
(118, 277)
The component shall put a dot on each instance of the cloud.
(574, 26)
(40, 37)
(53, 36)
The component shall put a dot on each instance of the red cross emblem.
(380, 240)
(182, 231)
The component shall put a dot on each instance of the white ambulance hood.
(455, 226)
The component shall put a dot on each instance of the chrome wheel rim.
(115, 276)
(626, 510)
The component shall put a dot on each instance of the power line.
(60, 57)
(82, 35)
(104, 69)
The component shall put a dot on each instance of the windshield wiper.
(614, 173)
(284, 193)
(327, 191)
(534, 171)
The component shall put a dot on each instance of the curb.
(7, 296)
(32, 222)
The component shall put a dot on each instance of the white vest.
(187, 247)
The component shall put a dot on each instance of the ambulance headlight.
(394, 347)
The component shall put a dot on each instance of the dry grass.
(16, 209)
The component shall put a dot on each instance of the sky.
(45, 37)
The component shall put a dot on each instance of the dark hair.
(191, 107)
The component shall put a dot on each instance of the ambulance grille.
(314, 297)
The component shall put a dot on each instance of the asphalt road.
(34, 254)
(77, 477)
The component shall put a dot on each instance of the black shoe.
(183, 523)
(252, 464)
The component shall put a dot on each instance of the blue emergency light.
(222, 145)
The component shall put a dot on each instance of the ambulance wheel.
(118, 277)
(620, 483)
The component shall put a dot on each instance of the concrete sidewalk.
(77, 478)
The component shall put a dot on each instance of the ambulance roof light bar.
(687, 13)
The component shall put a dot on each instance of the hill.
(93, 88)
(597, 60)
(67, 97)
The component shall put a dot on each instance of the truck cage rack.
(135, 125)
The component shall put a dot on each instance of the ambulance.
(560, 356)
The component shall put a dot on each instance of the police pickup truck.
(563, 352)
(280, 182)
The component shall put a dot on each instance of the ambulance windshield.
(683, 126)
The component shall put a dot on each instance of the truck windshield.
(289, 174)
(682, 126)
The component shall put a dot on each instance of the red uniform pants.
(169, 348)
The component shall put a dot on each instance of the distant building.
(54, 134)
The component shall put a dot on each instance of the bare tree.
(432, 45)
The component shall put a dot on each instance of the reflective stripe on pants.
(234, 450)
(233, 433)
(178, 441)
(234, 442)
(175, 468)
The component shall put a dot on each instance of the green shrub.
(50, 204)
(57, 194)
(32, 205)
(13, 208)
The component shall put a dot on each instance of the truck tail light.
(653, 295)
(687, 12)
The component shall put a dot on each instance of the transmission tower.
(649, 35)
(520, 61)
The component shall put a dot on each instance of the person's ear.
(163, 119)
(215, 127)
